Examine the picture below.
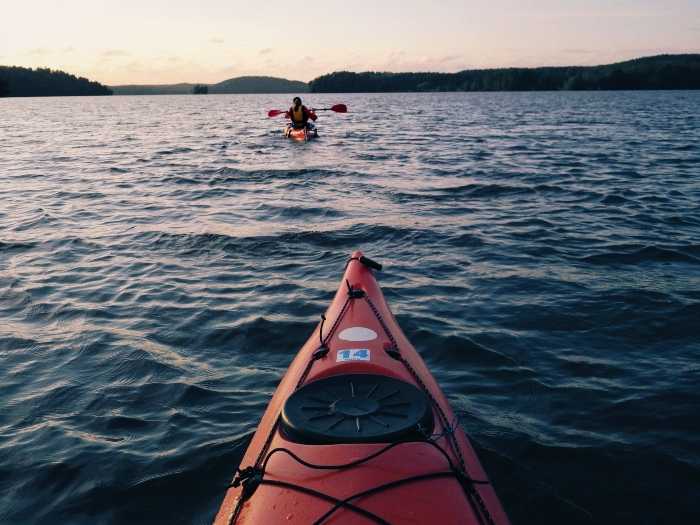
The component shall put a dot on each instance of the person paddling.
(302, 126)
(300, 115)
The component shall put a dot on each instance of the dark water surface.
(163, 258)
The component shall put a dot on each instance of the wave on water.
(157, 280)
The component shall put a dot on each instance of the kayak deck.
(359, 432)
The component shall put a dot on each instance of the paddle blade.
(339, 108)
(274, 112)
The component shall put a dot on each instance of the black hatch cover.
(357, 408)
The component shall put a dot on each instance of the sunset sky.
(167, 41)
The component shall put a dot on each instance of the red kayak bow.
(359, 432)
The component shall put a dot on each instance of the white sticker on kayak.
(352, 354)
(357, 333)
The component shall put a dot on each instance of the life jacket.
(300, 115)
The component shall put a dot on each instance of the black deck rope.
(252, 477)
(381, 488)
(338, 503)
(349, 260)
(320, 329)
(339, 318)
(473, 495)
(258, 475)
(360, 461)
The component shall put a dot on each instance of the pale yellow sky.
(159, 41)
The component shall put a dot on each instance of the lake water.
(163, 258)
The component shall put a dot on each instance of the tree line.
(44, 82)
(660, 72)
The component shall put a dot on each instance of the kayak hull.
(300, 134)
(433, 479)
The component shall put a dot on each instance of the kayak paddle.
(338, 108)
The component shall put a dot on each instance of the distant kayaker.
(300, 115)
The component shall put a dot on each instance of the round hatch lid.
(356, 408)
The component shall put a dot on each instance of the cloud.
(396, 56)
(578, 51)
(447, 59)
(216, 40)
(399, 60)
(39, 51)
(110, 53)
(265, 51)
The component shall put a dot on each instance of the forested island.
(44, 82)
(253, 84)
(658, 72)
(238, 85)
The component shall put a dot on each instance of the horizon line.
(412, 72)
(461, 70)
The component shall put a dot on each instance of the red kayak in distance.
(301, 134)
(359, 432)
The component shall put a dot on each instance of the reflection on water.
(162, 258)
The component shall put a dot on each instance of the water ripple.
(161, 261)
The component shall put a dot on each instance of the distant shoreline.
(426, 93)
(663, 72)
(657, 73)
